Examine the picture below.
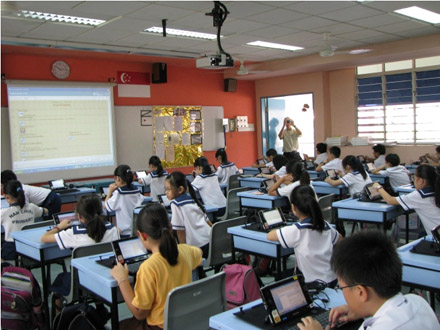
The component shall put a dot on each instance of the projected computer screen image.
(58, 128)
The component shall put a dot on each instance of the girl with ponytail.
(17, 215)
(170, 265)
(311, 237)
(208, 186)
(122, 198)
(155, 179)
(189, 217)
(355, 178)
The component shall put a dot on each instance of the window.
(400, 105)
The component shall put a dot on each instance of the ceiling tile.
(379, 20)
(110, 9)
(100, 36)
(241, 26)
(404, 26)
(365, 33)
(351, 13)
(319, 7)
(337, 29)
(157, 12)
(243, 9)
(56, 31)
(277, 16)
(272, 32)
(14, 27)
(310, 22)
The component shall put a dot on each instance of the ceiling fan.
(242, 71)
(330, 50)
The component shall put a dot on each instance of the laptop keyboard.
(66, 191)
(321, 317)
(134, 267)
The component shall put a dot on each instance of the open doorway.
(273, 112)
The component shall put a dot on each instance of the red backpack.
(242, 285)
(21, 300)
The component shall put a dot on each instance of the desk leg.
(45, 288)
(114, 310)
(232, 249)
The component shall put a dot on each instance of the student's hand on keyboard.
(341, 314)
(64, 225)
(308, 323)
(119, 272)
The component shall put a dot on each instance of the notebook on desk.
(60, 187)
(128, 251)
(285, 303)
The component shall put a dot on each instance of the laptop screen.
(371, 167)
(261, 161)
(271, 218)
(164, 200)
(141, 174)
(105, 190)
(57, 184)
(288, 297)
(213, 169)
(310, 164)
(373, 193)
(131, 248)
(265, 170)
(269, 183)
(68, 216)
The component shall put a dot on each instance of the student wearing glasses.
(369, 274)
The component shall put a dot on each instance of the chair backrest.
(84, 251)
(325, 203)
(194, 303)
(39, 224)
(220, 245)
(233, 182)
(232, 203)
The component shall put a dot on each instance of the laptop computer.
(60, 187)
(271, 219)
(66, 216)
(163, 199)
(140, 174)
(371, 195)
(371, 167)
(261, 161)
(213, 169)
(266, 185)
(104, 192)
(332, 174)
(285, 303)
(264, 170)
(309, 165)
(128, 251)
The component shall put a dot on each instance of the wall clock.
(60, 69)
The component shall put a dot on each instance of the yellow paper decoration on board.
(184, 155)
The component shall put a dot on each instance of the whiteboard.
(213, 136)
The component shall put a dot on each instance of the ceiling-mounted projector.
(220, 61)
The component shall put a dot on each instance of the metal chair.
(232, 203)
(194, 303)
(220, 243)
(233, 182)
(325, 203)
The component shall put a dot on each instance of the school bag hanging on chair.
(79, 316)
(21, 304)
(242, 285)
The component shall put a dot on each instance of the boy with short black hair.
(379, 151)
(270, 154)
(321, 154)
(369, 273)
(333, 162)
(398, 174)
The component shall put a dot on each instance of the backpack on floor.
(21, 302)
(80, 316)
(242, 285)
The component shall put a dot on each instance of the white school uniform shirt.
(210, 190)
(15, 218)
(399, 175)
(355, 182)
(281, 172)
(35, 195)
(224, 171)
(423, 202)
(187, 215)
(334, 164)
(403, 312)
(123, 201)
(379, 161)
(287, 190)
(77, 236)
(157, 184)
(313, 249)
(321, 158)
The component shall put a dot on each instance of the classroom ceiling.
(350, 24)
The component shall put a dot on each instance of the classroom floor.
(125, 313)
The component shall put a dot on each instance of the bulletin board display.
(177, 134)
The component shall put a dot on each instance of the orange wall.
(186, 86)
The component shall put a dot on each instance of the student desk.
(251, 182)
(28, 244)
(382, 179)
(324, 188)
(73, 197)
(411, 168)
(98, 183)
(255, 242)
(228, 321)
(420, 271)
(313, 174)
(354, 210)
(260, 201)
(251, 170)
(405, 189)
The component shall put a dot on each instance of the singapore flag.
(133, 84)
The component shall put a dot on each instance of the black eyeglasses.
(337, 287)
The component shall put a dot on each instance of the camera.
(288, 121)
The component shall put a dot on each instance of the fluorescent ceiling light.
(59, 18)
(420, 13)
(182, 33)
(273, 45)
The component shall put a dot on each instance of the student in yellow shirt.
(170, 265)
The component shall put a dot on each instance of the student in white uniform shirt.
(369, 274)
(93, 229)
(333, 162)
(425, 200)
(295, 175)
(188, 217)
(155, 179)
(356, 178)
(208, 186)
(226, 168)
(311, 237)
(321, 154)
(398, 174)
(279, 162)
(16, 216)
(270, 154)
(379, 151)
(43, 197)
(122, 198)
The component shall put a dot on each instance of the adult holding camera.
(289, 134)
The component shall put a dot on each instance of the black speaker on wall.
(159, 75)
(230, 85)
